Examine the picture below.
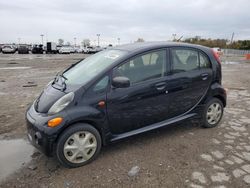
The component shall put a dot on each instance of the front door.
(143, 103)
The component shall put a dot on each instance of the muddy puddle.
(14, 154)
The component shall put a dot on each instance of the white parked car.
(72, 49)
(8, 49)
(85, 50)
(79, 50)
(65, 50)
(92, 49)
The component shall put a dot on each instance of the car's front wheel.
(78, 145)
(213, 113)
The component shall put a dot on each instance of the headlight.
(61, 103)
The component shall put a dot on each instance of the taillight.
(216, 56)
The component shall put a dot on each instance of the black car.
(23, 49)
(37, 49)
(124, 91)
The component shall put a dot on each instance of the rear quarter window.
(204, 61)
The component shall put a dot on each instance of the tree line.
(221, 43)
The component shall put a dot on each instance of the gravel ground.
(182, 155)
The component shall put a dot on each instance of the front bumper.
(39, 134)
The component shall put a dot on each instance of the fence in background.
(235, 52)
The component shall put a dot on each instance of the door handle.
(204, 76)
(160, 86)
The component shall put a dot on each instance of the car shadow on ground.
(126, 145)
(177, 129)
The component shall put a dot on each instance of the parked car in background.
(0, 48)
(23, 49)
(92, 49)
(51, 48)
(37, 49)
(125, 91)
(65, 50)
(78, 49)
(81, 50)
(85, 50)
(72, 49)
(8, 49)
(58, 47)
(108, 47)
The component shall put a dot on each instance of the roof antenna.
(178, 40)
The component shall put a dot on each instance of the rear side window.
(184, 60)
(187, 59)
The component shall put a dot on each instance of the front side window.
(144, 67)
(184, 60)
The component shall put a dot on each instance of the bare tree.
(85, 42)
(140, 40)
(60, 42)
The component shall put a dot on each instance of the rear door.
(189, 80)
(143, 103)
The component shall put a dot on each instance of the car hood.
(47, 98)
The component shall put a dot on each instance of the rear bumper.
(39, 134)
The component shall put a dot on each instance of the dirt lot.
(183, 155)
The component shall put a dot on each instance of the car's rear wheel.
(78, 145)
(213, 113)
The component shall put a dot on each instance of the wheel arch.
(221, 98)
(217, 91)
(89, 122)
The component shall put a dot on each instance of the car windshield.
(90, 67)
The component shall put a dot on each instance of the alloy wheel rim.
(80, 147)
(214, 113)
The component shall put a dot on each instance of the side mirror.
(120, 82)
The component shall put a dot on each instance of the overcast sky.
(127, 19)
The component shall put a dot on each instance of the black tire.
(205, 122)
(66, 134)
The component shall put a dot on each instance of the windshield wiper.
(62, 79)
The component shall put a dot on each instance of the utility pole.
(98, 39)
(232, 38)
(75, 41)
(42, 37)
(118, 39)
(174, 35)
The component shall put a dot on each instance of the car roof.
(143, 46)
